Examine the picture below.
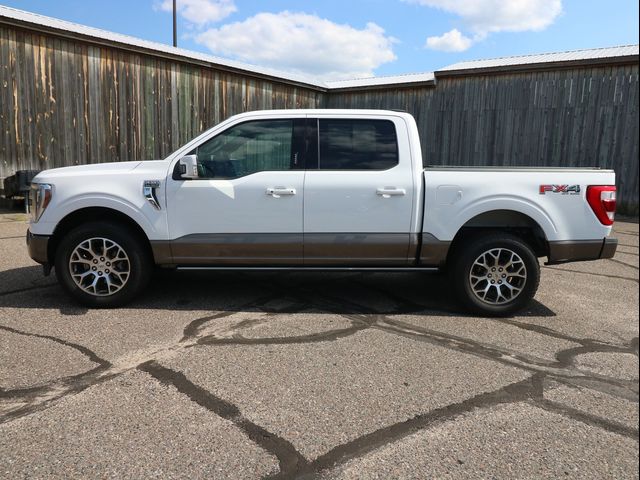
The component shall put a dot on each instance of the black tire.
(139, 263)
(497, 302)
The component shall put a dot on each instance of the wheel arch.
(511, 221)
(93, 214)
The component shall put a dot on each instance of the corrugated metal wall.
(572, 117)
(66, 102)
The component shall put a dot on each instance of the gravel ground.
(337, 376)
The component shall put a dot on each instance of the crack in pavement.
(515, 392)
(561, 368)
(289, 458)
(623, 263)
(193, 328)
(82, 349)
(292, 463)
(326, 336)
(541, 370)
(619, 277)
(530, 390)
(564, 358)
(567, 356)
(27, 289)
(593, 420)
(546, 331)
(505, 356)
(38, 397)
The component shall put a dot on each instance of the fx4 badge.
(562, 189)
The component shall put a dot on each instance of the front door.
(246, 206)
(358, 202)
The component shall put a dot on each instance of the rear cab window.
(357, 144)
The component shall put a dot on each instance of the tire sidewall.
(138, 260)
(471, 251)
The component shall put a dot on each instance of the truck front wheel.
(101, 264)
(495, 274)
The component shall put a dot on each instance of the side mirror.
(188, 167)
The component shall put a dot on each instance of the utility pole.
(175, 25)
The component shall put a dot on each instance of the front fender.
(150, 220)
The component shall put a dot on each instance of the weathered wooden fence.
(579, 117)
(67, 101)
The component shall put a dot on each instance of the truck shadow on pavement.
(345, 293)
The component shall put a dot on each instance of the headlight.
(40, 197)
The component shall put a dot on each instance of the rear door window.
(357, 144)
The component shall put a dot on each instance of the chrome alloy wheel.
(99, 266)
(498, 276)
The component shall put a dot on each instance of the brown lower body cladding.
(276, 250)
(581, 250)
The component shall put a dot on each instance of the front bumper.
(581, 250)
(38, 245)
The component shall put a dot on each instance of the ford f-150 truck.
(317, 190)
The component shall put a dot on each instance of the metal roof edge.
(382, 86)
(373, 83)
(63, 28)
(627, 60)
(36, 22)
(547, 61)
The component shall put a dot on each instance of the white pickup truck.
(317, 190)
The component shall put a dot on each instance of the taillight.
(602, 199)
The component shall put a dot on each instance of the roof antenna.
(175, 25)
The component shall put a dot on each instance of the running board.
(319, 269)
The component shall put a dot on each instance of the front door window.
(248, 148)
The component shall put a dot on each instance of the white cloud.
(483, 17)
(452, 41)
(201, 12)
(302, 43)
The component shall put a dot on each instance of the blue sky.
(335, 39)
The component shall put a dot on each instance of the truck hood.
(100, 169)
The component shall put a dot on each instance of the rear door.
(358, 199)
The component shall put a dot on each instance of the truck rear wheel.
(495, 274)
(102, 265)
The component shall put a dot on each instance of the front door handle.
(387, 192)
(277, 192)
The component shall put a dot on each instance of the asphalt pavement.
(319, 375)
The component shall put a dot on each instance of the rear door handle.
(277, 192)
(387, 192)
